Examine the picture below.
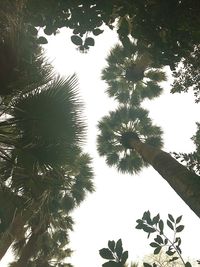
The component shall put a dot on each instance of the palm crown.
(115, 131)
(46, 125)
(131, 75)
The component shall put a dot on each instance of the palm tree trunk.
(15, 230)
(185, 183)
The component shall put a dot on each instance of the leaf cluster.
(155, 225)
(115, 254)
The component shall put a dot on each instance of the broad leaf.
(76, 40)
(119, 248)
(111, 245)
(179, 228)
(170, 225)
(106, 254)
(124, 257)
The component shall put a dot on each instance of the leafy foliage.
(156, 225)
(151, 225)
(132, 123)
(131, 75)
(114, 253)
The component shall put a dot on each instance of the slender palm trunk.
(185, 183)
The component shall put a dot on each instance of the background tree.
(131, 74)
(129, 141)
(168, 28)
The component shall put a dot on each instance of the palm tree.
(42, 133)
(131, 75)
(65, 189)
(129, 141)
(48, 200)
(21, 58)
(44, 126)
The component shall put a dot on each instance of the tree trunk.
(185, 183)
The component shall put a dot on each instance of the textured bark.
(185, 183)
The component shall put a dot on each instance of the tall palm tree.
(129, 141)
(43, 132)
(131, 75)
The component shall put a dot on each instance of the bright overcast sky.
(111, 212)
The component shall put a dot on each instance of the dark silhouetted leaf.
(157, 250)
(154, 245)
(89, 41)
(97, 31)
(188, 264)
(148, 229)
(42, 40)
(111, 245)
(179, 228)
(170, 253)
(174, 259)
(106, 254)
(76, 40)
(171, 217)
(170, 224)
(119, 249)
(179, 219)
(156, 219)
(161, 226)
(159, 239)
(112, 264)
(124, 257)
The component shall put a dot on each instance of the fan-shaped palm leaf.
(47, 123)
(116, 128)
(131, 75)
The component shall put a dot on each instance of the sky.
(120, 199)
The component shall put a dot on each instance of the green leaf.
(171, 217)
(106, 254)
(112, 264)
(89, 41)
(170, 225)
(148, 229)
(179, 228)
(159, 239)
(157, 250)
(179, 219)
(170, 253)
(111, 245)
(174, 259)
(119, 249)
(42, 40)
(97, 31)
(188, 264)
(76, 40)
(124, 257)
(155, 219)
(154, 245)
(161, 226)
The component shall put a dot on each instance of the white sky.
(111, 212)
